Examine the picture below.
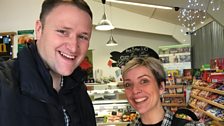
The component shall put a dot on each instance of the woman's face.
(142, 90)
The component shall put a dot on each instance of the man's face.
(64, 39)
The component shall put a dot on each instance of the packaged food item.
(179, 90)
(212, 96)
(221, 88)
(219, 100)
(195, 91)
(114, 117)
(193, 101)
(167, 100)
(172, 91)
(203, 93)
(178, 80)
(183, 116)
(201, 104)
(129, 116)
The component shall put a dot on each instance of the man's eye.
(84, 37)
(62, 32)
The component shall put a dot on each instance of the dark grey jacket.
(27, 97)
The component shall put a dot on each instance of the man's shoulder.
(6, 65)
(7, 70)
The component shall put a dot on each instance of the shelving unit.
(174, 105)
(175, 59)
(174, 100)
(209, 89)
(208, 101)
(173, 95)
(198, 98)
(207, 113)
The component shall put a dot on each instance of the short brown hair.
(153, 64)
(49, 5)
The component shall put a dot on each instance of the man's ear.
(38, 29)
(162, 88)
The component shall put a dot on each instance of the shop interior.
(194, 63)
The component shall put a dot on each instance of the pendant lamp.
(111, 41)
(104, 24)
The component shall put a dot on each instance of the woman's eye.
(144, 81)
(127, 85)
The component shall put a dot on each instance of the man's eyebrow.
(67, 28)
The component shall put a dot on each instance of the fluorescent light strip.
(139, 4)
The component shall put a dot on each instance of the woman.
(144, 83)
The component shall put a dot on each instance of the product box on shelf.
(207, 98)
(217, 63)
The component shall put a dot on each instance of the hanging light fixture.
(190, 17)
(111, 41)
(104, 24)
(131, 2)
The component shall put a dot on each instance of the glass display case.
(110, 104)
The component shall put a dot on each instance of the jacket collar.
(35, 78)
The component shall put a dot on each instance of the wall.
(18, 14)
(207, 44)
(125, 39)
(22, 14)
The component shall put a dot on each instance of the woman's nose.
(136, 89)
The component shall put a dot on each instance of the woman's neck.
(154, 116)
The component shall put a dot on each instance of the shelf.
(174, 104)
(207, 113)
(113, 123)
(208, 101)
(175, 54)
(109, 102)
(173, 95)
(218, 123)
(7, 33)
(174, 86)
(209, 89)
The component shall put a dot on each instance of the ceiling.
(157, 21)
(170, 16)
(160, 14)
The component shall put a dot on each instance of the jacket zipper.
(66, 117)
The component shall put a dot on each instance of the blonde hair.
(154, 65)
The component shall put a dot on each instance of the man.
(44, 85)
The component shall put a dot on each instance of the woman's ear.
(162, 88)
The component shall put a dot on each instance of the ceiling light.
(139, 4)
(104, 24)
(111, 41)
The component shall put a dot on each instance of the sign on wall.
(6, 45)
(129, 53)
